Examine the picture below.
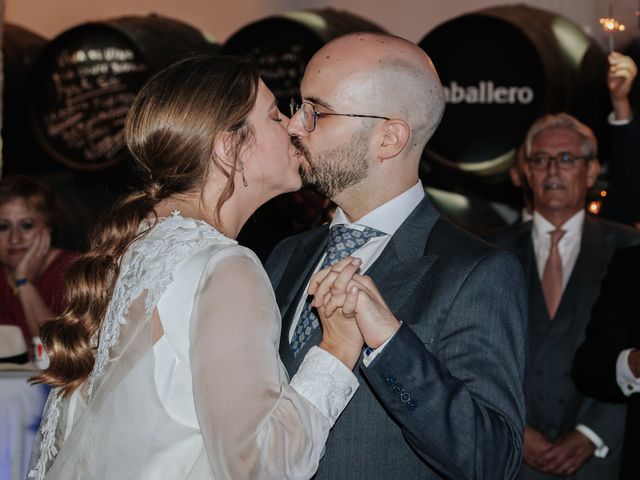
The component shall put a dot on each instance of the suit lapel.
(303, 259)
(581, 278)
(405, 261)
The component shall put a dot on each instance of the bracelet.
(19, 283)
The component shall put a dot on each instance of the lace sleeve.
(254, 424)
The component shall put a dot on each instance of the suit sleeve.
(461, 406)
(604, 419)
(622, 203)
(609, 331)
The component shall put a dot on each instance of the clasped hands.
(351, 309)
(563, 457)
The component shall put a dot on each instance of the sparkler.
(611, 25)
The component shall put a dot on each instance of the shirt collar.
(542, 226)
(388, 217)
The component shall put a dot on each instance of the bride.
(165, 364)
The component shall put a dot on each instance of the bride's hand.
(341, 336)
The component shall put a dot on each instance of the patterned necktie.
(552, 276)
(343, 241)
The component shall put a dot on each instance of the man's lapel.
(405, 260)
(593, 253)
(307, 252)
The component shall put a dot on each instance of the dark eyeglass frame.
(294, 107)
(563, 160)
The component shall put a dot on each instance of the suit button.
(538, 398)
(398, 388)
(391, 380)
(405, 397)
(561, 401)
(412, 404)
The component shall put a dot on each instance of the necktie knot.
(556, 236)
(345, 240)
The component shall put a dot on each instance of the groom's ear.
(394, 139)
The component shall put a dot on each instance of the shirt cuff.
(325, 382)
(601, 449)
(627, 381)
(611, 118)
(369, 353)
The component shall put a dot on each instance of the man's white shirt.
(569, 245)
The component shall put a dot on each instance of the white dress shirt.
(627, 381)
(611, 118)
(569, 248)
(569, 245)
(387, 218)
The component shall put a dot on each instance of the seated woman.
(31, 283)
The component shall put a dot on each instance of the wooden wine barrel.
(20, 152)
(502, 68)
(282, 45)
(87, 77)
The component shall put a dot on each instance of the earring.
(244, 180)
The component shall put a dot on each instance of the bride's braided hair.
(170, 132)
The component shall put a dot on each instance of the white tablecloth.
(21, 407)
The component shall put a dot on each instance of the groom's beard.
(329, 172)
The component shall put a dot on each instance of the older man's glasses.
(563, 160)
(310, 115)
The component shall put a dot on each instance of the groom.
(442, 374)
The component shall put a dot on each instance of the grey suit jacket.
(554, 406)
(444, 398)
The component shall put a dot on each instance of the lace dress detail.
(147, 265)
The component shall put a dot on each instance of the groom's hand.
(376, 322)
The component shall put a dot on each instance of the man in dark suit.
(607, 364)
(622, 202)
(564, 254)
(442, 371)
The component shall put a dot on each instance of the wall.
(411, 19)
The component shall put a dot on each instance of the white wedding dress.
(211, 399)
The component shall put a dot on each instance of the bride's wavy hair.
(170, 131)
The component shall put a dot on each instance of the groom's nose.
(295, 127)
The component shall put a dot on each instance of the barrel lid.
(282, 45)
(495, 87)
(502, 68)
(84, 84)
(87, 78)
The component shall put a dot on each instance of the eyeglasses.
(310, 115)
(563, 160)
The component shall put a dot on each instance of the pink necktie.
(552, 276)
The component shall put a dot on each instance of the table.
(21, 406)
